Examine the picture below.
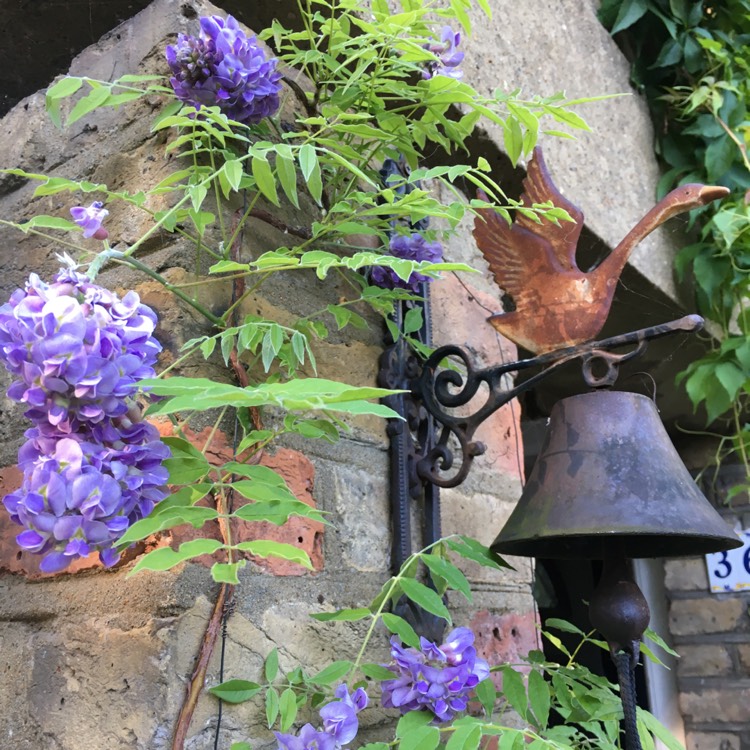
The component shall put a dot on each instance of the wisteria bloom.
(223, 67)
(76, 353)
(448, 56)
(90, 219)
(340, 724)
(435, 678)
(408, 247)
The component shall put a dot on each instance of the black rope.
(625, 663)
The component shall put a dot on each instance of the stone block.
(706, 615)
(686, 575)
(712, 741)
(704, 661)
(481, 516)
(362, 525)
(729, 705)
(743, 652)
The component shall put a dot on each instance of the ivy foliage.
(692, 61)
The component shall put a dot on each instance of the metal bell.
(609, 483)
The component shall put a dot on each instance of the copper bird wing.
(539, 188)
(513, 254)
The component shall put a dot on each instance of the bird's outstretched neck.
(681, 199)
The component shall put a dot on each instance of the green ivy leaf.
(630, 11)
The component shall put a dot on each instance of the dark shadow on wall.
(40, 38)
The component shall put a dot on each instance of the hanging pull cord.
(626, 660)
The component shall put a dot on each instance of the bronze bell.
(608, 483)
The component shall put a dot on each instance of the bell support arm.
(440, 391)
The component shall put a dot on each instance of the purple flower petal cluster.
(435, 678)
(77, 352)
(91, 219)
(225, 68)
(448, 56)
(340, 724)
(408, 247)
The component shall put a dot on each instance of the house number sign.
(730, 571)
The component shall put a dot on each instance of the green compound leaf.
(465, 738)
(272, 706)
(412, 721)
(376, 672)
(473, 550)
(267, 548)
(448, 572)
(514, 691)
(276, 512)
(166, 558)
(401, 628)
(487, 695)
(227, 572)
(48, 222)
(235, 691)
(539, 698)
(264, 179)
(342, 615)
(271, 667)
(287, 174)
(88, 103)
(423, 738)
(425, 597)
(287, 709)
(167, 519)
(335, 671)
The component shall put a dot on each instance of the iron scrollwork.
(442, 391)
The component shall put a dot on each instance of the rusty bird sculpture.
(557, 304)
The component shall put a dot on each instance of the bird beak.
(710, 193)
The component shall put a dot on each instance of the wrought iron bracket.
(440, 392)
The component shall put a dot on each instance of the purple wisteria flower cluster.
(448, 56)
(225, 68)
(409, 247)
(340, 724)
(435, 678)
(77, 352)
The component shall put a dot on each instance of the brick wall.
(711, 633)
